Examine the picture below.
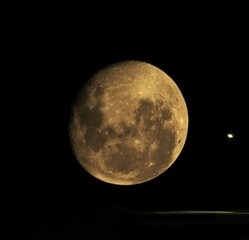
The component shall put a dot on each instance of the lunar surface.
(128, 123)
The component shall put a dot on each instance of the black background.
(45, 191)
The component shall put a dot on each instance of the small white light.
(230, 135)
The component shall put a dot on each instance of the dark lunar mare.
(155, 132)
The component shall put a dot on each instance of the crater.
(99, 92)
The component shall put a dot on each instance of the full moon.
(128, 123)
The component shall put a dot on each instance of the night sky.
(48, 195)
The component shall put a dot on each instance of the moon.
(128, 123)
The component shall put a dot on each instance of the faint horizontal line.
(190, 212)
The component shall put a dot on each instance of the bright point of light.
(230, 135)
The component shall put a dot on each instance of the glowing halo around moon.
(128, 123)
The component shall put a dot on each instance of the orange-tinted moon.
(129, 123)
